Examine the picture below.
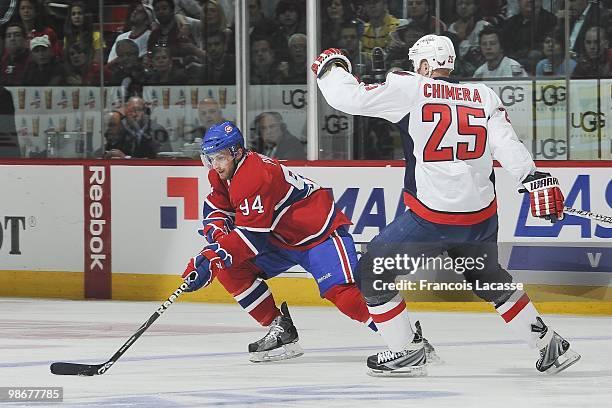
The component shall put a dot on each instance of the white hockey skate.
(430, 351)
(409, 362)
(555, 352)
(281, 342)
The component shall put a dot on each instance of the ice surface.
(195, 356)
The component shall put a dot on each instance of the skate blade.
(418, 371)
(567, 359)
(286, 352)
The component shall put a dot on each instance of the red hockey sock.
(348, 299)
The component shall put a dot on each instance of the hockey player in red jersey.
(451, 133)
(261, 219)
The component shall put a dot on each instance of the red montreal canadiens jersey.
(270, 203)
(451, 133)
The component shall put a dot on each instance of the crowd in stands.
(192, 42)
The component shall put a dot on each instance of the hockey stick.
(97, 369)
(587, 214)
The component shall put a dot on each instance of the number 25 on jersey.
(433, 152)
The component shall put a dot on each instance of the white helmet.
(437, 50)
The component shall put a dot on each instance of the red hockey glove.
(328, 57)
(545, 195)
(206, 264)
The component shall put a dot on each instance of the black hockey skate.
(281, 342)
(409, 362)
(555, 352)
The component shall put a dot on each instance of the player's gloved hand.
(545, 195)
(215, 228)
(213, 231)
(206, 264)
(327, 58)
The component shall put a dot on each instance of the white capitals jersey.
(451, 133)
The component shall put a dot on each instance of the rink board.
(67, 233)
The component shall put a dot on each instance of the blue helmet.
(222, 136)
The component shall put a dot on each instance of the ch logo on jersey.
(185, 188)
(228, 128)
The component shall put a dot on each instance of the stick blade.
(74, 369)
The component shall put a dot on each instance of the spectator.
(164, 71)
(290, 19)
(16, 55)
(336, 13)
(43, 68)
(523, 34)
(295, 71)
(278, 143)
(212, 22)
(402, 38)
(116, 140)
(466, 30)
(219, 67)
(127, 68)
(193, 8)
(554, 62)
(380, 25)
(259, 24)
(9, 143)
(78, 29)
(583, 14)
(143, 137)
(168, 33)
(420, 12)
(80, 68)
(264, 68)
(140, 18)
(32, 17)
(497, 64)
(349, 42)
(597, 58)
(209, 114)
(493, 11)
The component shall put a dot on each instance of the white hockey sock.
(393, 323)
(519, 314)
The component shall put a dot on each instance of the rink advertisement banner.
(41, 218)
(58, 218)
(165, 209)
(97, 231)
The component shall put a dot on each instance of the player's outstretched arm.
(331, 57)
(390, 100)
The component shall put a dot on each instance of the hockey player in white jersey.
(451, 133)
